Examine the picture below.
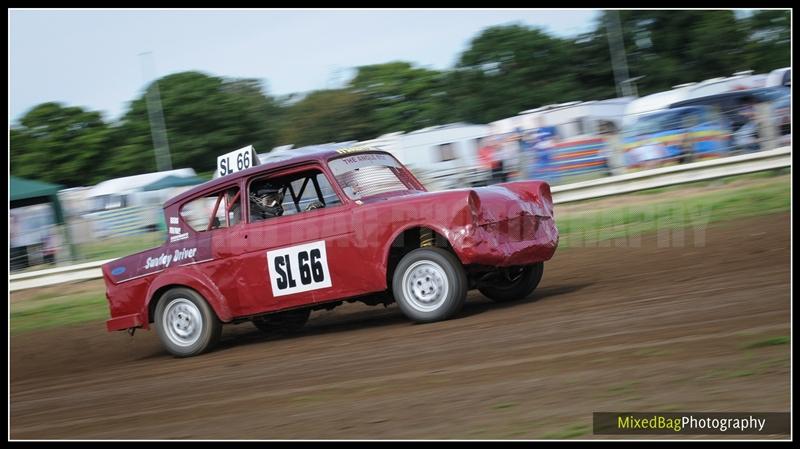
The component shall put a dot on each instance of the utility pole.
(619, 61)
(156, 115)
(632, 82)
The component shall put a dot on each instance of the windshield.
(367, 174)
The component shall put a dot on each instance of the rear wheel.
(514, 283)
(429, 284)
(287, 322)
(185, 323)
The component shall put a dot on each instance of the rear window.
(367, 174)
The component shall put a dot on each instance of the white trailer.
(779, 77)
(662, 100)
(577, 118)
(121, 207)
(739, 81)
(127, 191)
(507, 125)
(443, 157)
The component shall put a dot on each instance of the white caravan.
(125, 197)
(576, 118)
(779, 77)
(127, 191)
(662, 100)
(443, 157)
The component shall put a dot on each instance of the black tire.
(288, 322)
(522, 284)
(174, 308)
(447, 302)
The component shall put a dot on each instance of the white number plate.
(238, 160)
(299, 268)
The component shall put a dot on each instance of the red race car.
(273, 242)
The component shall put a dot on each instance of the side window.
(328, 194)
(581, 126)
(446, 152)
(229, 212)
(288, 195)
(310, 194)
(218, 210)
(607, 127)
(115, 201)
(307, 197)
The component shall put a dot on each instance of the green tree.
(327, 116)
(675, 47)
(593, 72)
(507, 69)
(59, 144)
(205, 116)
(401, 97)
(769, 39)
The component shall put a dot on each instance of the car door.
(215, 220)
(303, 256)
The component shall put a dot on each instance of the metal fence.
(767, 160)
(87, 237)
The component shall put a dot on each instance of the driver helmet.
(266, 200)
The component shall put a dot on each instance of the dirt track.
(610, 329)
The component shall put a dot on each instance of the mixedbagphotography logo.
(690, 423)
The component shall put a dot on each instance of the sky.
(94, 58)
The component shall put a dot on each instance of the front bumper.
(522, 240)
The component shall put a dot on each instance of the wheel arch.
(407, 239)
(197, 282)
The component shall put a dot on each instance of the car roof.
(733, 94)
(672, 110)
(311, 155)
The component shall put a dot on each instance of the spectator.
(528, 157)
(746, 137)
(485, 157)
(510, 155)
(690, 122)
(490, 158)
(50, 244)
(544, 146)
(768, 127)
(613, 144)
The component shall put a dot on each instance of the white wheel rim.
(182, 322)
(425, 285)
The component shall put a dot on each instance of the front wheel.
(185, 323)
(429, 284)
(514, 283)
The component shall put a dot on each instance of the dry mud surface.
(645, 328)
